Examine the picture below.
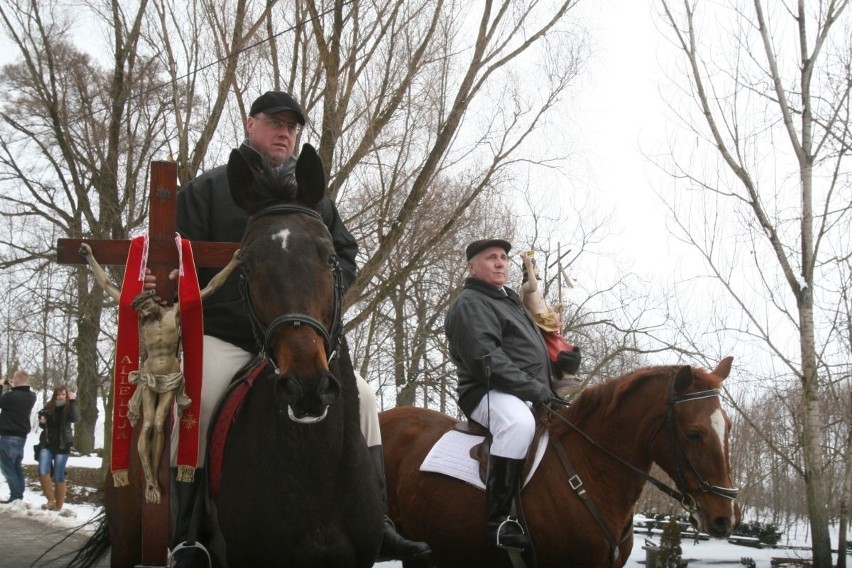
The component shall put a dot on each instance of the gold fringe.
(120, 479)
(185, 473)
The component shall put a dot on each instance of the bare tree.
(75, 144)
(768, 158)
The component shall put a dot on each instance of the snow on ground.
(703, 554)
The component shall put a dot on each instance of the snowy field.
(704, 554)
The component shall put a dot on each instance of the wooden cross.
(162, 259)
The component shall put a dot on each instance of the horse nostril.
(722, 525)
(328, 389)
(289, 388)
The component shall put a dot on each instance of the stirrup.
(186, 546)
(500, 527)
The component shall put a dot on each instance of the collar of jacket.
(487, 289)
(255, 160)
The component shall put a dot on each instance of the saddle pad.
(451, 456)
(225, 415)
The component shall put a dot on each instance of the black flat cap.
(476, 247)
(271, 102)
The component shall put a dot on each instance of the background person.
(56, 419)
(206, 212)
(16, 405)
(503, 369)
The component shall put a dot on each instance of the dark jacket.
(206, 212)
(16, 406)
(482, 321)
(60, 437)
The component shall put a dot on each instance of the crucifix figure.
(160, 380)
(564, 356)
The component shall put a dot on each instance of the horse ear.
(723, 369)
(310, 177)
(683, 379)
(240, 181)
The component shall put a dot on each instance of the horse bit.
(331, 339)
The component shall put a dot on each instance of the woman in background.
(56, 439)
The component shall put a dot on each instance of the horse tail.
(95, 548)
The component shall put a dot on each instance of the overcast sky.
(621, 114)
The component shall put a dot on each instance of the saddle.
(481, 451)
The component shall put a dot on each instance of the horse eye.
(693, 435)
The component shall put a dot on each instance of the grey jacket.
(483, 322)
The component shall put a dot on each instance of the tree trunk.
(812, 440)
(88, 379)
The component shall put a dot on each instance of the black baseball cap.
(476, 247)
(271, 102)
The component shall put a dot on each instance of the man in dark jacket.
(16, 405)
(503, 370)
(206, 212)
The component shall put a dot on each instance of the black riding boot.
(502, 530)
(188, 548)
(394, 545)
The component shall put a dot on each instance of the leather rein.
(263, 334)
(683, 495)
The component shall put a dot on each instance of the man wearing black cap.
(503, 370)
(206, 211)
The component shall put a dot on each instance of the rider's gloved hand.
(569, 361)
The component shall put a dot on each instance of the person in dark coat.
(503, 371)
(16, 405)
(206, 212)
(56, 440)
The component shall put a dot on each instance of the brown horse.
(297, 486)
(611, 434)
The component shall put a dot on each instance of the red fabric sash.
(555, 343)
(192, 338)
(126, 359)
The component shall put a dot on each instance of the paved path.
(29, 543)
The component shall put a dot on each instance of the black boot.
(187, 499)
(394, 545)
(502, 480)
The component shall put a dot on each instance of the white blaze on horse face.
(283, 234)
(717, 422)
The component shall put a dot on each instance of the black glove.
(569, 361)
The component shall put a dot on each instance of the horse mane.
(603, 399)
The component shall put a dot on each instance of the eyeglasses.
(277, 124)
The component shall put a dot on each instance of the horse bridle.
(263, 334)
(682, 494)
(678, 454)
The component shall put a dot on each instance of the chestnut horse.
(608, 438)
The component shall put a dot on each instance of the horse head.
(291, 279)
(692, 446)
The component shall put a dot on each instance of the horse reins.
(681, 496)
(263, 334)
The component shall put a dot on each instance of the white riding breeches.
(221, 362)
(510, 421)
